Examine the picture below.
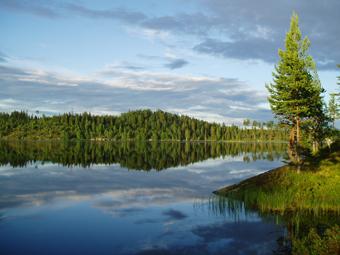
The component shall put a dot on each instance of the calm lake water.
(114, 198)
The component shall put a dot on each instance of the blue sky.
(207, 59)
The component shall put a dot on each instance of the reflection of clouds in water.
(151, 212)
(243, 237)
(146, 221)
(118, 187)
(175, 214)
(125, 202)
(249, 231)
(211, 163)
(226, 238)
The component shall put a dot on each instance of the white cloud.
(119, 88)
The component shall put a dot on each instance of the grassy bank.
(306, 200)
(315, 187)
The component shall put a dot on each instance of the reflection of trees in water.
(299, 224)
(143, 156)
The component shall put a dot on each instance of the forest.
(140, 125)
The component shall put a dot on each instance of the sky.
(209, 59)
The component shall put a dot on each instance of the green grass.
(315, 187)
(305, 199)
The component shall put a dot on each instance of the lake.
(127, 198)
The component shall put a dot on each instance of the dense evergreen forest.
(133, 125)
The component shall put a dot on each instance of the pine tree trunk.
(292, 136)
(298, 134)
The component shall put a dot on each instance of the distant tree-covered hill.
(133, 125)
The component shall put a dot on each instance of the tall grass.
(314, 188)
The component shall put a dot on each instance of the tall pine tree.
(333, 108)
(338, 93)
(295, 93)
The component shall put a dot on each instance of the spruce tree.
(338, 93)
(295, 93)
(333, 108)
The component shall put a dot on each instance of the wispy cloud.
(257, 33)
(114, 13)
(47, 9)
(3, 57)
(240, 29)
(172, 61)
(259, 48)
(152, 81)
(115, 90)
(176, 63)
(122, 66)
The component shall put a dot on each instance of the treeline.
(132, 155)
(133, 125)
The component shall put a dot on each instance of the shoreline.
(316, 187)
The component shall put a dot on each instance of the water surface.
(118, 198)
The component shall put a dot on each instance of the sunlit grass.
(315, 187)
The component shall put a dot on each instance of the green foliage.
(334, 102)
(141, 125)
(307, 202)
(315, 244)
(295, 94)
(333, 108)
(314, 188)
(246, 122)
(338, 76)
